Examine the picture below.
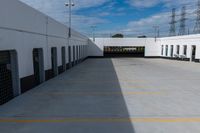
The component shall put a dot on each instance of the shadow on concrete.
(86, 99)
(104, 99)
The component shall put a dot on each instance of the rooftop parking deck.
(121, 95)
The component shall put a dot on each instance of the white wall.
(152, 48)
(188, 40)
(23, 28)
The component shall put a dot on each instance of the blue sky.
(130, 17)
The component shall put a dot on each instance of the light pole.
(93, 32)
(157, 32)
(70, 4)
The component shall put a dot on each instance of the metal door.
(193, 52)
(74, 55)
(54, 61)
(6, 87)
(36, 66)
(63, 51)
(69, 56)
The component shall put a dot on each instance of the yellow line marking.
(142, 93)
(100, 82)
(119, 81)
(101, 93)
(104, 120)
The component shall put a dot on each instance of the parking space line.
(104, 120)
(102, 93)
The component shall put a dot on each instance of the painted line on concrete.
(94, 82)
(102, 93)
(123, 81)
(104, 120)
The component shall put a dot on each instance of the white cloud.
(57, 10)
(80, 21)
(152, 3)
(83, 23)
(46, 5)
(104, 14)
(144, 3)
(144, 26)
(89, 3)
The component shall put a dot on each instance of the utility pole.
(182, 29)
(93, 32)
(157, 32)
(70, 5)
(197, 25)
(172, 31)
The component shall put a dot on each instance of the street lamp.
(93, 32)
(70, 5)
(157, 32)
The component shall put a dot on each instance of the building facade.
(33, 48)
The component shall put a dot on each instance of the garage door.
(6, 89)
(124, 51)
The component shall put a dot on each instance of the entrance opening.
(193, 52)
(38, 65)
(63, 55)
(77, 54)
(172, 50)
(6, 83)
(69, 56)
(110, 51)
(81, 52)
(54, 61)
(185, 50)
(74, 55)
(166, 50)
(162, 50)
(177, 49)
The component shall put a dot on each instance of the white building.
(178, 47)
(33, 48)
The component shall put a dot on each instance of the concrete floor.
(122, 95)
